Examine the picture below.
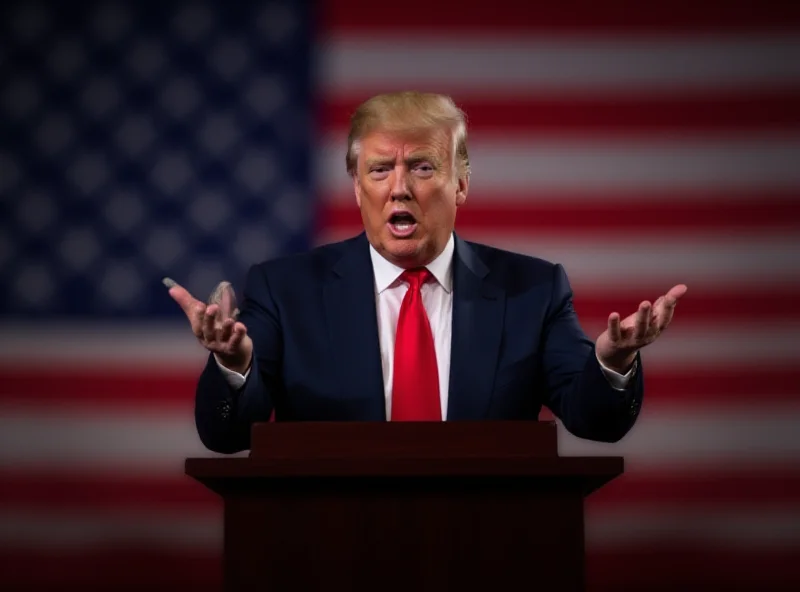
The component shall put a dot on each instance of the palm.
(617, 345)
(215, 324)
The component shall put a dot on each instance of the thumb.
(182, 296)
(225, 297)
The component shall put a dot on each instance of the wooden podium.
(416, 507)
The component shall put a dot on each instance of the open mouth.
(402, 224)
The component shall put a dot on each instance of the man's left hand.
(617, 346)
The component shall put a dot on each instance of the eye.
(378, 171)
(423, 168)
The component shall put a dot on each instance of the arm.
(577, 390)
(224, 411)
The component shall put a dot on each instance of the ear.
(462, 189)
(357, 189)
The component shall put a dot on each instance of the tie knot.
(416, 277)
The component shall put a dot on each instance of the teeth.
(402, 226)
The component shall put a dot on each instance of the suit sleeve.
(576, 390)
(224, 415)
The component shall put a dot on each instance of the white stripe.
(749, 342)
(743, 527)
(98, 529)
(633, 261)
(149, 442)
(155, 346)
(533, 165)
(365, 64)
(667, 436)
(157, 443)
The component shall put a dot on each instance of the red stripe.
(115, 567)
(729, 385)
(65, 493)
(720, 306)
(670, 567)
(714, 488)
(753, 110)
(125, 391)
(663, 568)
(474, 16)
(558, 215)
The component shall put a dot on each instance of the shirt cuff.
(233, 378)
(618, 381)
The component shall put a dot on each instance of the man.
(407, 321)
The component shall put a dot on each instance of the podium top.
(306, 454)
(403, 440)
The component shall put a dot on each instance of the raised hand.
(617, 346)
(215, 325)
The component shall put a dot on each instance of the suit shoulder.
(518, 273)
(504, 261)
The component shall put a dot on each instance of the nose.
(400, 190)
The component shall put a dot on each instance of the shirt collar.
(387, 273)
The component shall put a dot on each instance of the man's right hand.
(215, 325)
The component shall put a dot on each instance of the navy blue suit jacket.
(516, 345)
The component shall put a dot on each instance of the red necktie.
(415, 384)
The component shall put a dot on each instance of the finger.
(229, 303)
(642, 321)
(226, 330)
(670, 301)
(196, 318)
(665, 318)
(209, 323)
(658, 306)
(239, 331)
(614, 330)
(675, 293)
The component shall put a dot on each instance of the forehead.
(389, 143)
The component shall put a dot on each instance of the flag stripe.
(670, 436)
(532, 165)
(134, 566)
(173, 392)
(654, 261)
(556, 65)
(643, 566)
(540, 215)
(70, 493)
(626, 114)
(473, 17)
(751, 342)
(725, 527)
(693, 567)
(664, 435)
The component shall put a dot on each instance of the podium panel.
(404, 506)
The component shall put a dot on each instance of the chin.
(409, 251)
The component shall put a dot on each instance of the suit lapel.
(478, 311)
(349, 296)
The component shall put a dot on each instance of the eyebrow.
(415, 158)
(412, 159)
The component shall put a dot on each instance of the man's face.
(408, 193)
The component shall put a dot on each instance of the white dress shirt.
(437, 298)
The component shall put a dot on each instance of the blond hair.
(408, 110)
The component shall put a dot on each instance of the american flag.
(640, 145)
